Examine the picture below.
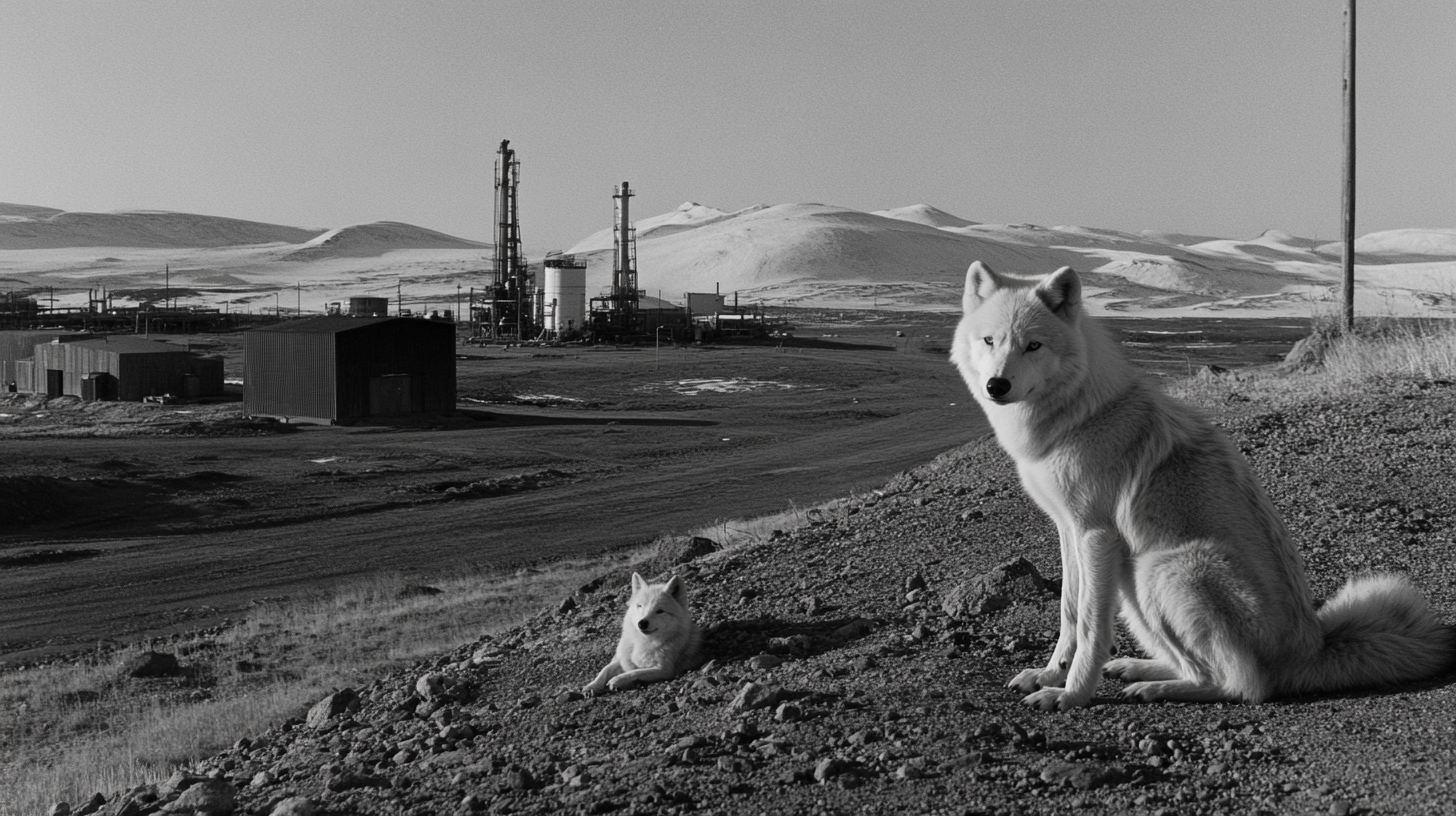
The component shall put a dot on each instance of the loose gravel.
(836, 683)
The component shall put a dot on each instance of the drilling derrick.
(622, 302)
(508, 303)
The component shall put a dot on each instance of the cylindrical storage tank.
(565, 287)
(368, 307)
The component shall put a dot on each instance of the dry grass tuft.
(1380, 350)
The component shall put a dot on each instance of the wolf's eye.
(1033, 346)
(989, 341)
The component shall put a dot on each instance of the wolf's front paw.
(621, 683)
(1053, 699)
(1032, 679)
(593, 689)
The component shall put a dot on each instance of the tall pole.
(1348, 255)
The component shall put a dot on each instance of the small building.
(122, 367)
(340, 369)
(17, 356)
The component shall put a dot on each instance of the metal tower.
(510, 295)
(624, 297)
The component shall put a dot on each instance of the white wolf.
(1160, 516)
(659, 638)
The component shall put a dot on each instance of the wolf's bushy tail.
(1378, 630)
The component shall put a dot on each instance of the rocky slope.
(837, 682)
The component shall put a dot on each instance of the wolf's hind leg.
(1133, 669)
(1201, 620)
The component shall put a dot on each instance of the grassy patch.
(1379, 350)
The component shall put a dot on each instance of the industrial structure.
(616, 314)
(102, 314)
(561, 307)
(504, 310)
(340, 369)
(106, 367)
(17, 355)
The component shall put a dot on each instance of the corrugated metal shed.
(346, 368)
(134, 367)
(16, 346)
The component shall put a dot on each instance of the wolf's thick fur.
(659, 638)
(1160, 516)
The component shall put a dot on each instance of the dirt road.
(133, 536)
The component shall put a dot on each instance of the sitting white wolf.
(659, 638)
(1161, 517)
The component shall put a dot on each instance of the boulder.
(1012, 581)
(335, 705)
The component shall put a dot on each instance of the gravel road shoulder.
(837, 684)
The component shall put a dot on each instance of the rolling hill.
(911, 257)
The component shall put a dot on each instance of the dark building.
(17, 356)
(337, 369)
(121, 367)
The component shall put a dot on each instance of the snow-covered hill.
(27, 227)
(911, 257)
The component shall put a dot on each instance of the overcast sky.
(1217, 118)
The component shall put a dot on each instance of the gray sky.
(1217, 118)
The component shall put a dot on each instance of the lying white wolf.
(659, 638)
(1161, 517)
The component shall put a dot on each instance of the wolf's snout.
(998, 387)
(642, 624)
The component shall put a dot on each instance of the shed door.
(389, 394)
(55, 382)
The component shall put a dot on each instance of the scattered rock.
(295, 806)
(828, 769)
(796, 645)
(854, 630)
(214, 796)
(152, 664)
(348, 780)
(430, 687)
(332, 707)
(1011, 581)
(1083, 776)
(765, 661)
(753, 696)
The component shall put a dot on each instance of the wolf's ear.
(980, 283)
(1061, 291)
(638, 582)
(676, 589)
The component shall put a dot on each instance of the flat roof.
(332, 324)
(129, 344)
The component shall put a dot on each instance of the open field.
(129, 521)
(82, 726)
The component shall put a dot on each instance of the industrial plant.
(361, 358)
(515, 308)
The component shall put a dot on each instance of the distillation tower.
(616, 314)
(506, 311)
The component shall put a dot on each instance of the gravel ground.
(837, 683)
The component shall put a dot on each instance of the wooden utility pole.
(1348, 255)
